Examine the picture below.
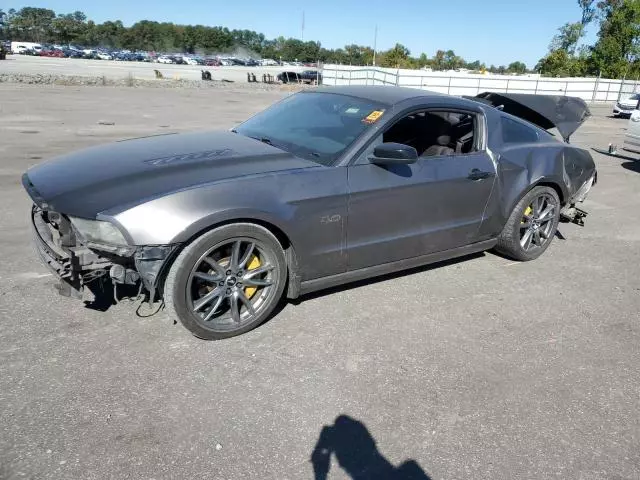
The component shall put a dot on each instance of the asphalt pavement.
(481, 368)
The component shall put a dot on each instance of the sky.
(493, 31)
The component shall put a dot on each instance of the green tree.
(476, 65)
(588, 11)
(616, 53)
(358, 55)
(423, 61)
(567, 38)
(452, 61)
(33, 24)
(396, 57)
(517, 67)
(439, 60)
(4, 24)
(69, 27)
(560, 64)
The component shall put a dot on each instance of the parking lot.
(481, 368)
(111, 69)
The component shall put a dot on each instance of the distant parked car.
(312, 76)
(31, 51)
(51, 52)
(212, 62)
(625, 107)
(165, 59)
(104, 56)
(288, 77)
(238, 62)
(25, 48)
(72, 53)
(308, 76)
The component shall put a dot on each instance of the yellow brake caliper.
(527, 212)
(253, 264)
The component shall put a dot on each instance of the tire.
(522, 219)
(184, 289)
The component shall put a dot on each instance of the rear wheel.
(531, 226)
(227, 282)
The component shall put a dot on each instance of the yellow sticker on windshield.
(373, 116)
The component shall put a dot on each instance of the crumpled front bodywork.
(81, 268)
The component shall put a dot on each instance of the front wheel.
(531, 226)
(226, 282)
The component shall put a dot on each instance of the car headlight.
(98, 231)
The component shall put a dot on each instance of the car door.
(403, 211)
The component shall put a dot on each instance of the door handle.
(476, 174)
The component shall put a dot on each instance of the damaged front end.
(88, 270)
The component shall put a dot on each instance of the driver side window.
(432, 133)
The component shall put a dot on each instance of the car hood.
(130, 172)
(628, 103)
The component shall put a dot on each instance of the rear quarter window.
(516, 132)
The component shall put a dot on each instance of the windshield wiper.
(266, 140)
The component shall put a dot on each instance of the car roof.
(389, 95)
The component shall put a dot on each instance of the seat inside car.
(442, 142)
(434, 133)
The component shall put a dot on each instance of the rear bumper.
(584, 190)
(572, 213)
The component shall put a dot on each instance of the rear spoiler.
(566, 114)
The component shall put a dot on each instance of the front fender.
(295, 203)
(177, 217)
(232, 214)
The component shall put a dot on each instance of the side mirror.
(393, 154)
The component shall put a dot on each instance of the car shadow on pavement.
(634, 166)
(616, 155)
(383, 278)
(357, 454)
(104, 296)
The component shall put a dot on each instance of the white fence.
(589, 89)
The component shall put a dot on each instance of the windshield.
(317, 126)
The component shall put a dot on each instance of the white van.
(21, 47)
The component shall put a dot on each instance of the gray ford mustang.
(325, 187)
